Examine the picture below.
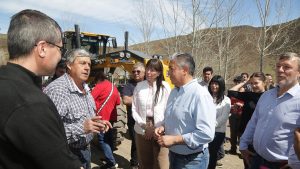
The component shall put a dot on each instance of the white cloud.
(104, 10)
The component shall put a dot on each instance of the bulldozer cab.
(117, 65)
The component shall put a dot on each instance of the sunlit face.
(51, 59)
(287, 72)
(176, 73)
(214, 87)
(258, 85)
(138, 74)
(80, 69)
(151, 74)
(207, 76)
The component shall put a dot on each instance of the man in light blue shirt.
(275, 118)
(190, 117)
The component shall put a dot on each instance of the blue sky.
(113, 17)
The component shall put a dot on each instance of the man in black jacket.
(32, 134)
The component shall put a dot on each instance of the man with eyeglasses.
(32, 134)
(138, 75)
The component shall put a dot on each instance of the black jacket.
(32, 135)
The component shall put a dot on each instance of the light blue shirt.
(190, 112)
(273, 123)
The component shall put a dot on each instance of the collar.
(186, 86)
(72, 86)
(293, 91)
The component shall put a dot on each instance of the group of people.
(179, 128)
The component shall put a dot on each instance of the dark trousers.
(250, 148)
(84, 155)
(133, 152)
(213, 148)
(258, 162)
(234, 122)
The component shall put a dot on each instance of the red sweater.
(100, 92)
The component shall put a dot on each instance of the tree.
(273, 39)
(145, 22)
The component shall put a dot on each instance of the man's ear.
(41, 49)
(185, 69)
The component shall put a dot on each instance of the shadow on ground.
(98, 158)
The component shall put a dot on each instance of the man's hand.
(95, 125)
(160, 131)
(169, 140)
(297, 142)
(247, 155)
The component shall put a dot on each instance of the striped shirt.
(74, 108)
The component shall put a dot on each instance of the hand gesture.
(95, 125)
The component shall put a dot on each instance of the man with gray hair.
(31, 132)
(76, 105)
(190, 117)
(275, 118)
(138, 75)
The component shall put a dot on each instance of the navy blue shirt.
(128, 91)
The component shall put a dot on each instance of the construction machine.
(116, 64)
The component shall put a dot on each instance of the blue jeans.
(105, 142)
(84, 155)
(191, 161)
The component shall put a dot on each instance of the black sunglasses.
(136, 71)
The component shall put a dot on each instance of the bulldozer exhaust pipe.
(77, 35)
(126, 40)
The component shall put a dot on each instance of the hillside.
(241, 54)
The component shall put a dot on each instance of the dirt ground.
(122, 156)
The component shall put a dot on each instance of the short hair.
(244, 73)
(268, 74)
(139, 65)
(100, 76)
(238, 79)
(185, 59)
(27, 28)
(289, 56)
(207, 69)
(221, 82)
(74, 53)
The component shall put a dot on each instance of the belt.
(149, 118)
(276, 164)
(189, 154)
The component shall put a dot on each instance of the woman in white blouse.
(216, 88)
(149, 102)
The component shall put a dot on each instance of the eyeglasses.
(136, 71)
(60, 47)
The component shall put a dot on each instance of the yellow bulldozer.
(117, 65)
